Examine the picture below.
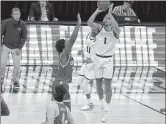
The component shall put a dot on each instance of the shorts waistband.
(104, 56)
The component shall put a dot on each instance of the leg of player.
(67, 100)
(100, 91)
(108, 92)
(16, 72)
(107, 74)
(4, 57)
(80, 80)
(86, 88)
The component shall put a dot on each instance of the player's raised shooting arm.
(116, 29)
(74, 34)
(91, 23)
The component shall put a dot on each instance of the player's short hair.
(15, 9)
(59, 92)
(60, 45)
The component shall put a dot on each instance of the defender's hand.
(111, 7)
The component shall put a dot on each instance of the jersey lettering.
(105, 39)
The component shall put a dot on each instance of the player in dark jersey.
(57, 112)
(64, 74)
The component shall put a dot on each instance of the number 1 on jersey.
(105, 39)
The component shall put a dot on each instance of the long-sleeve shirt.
(14, 34)
(36, 11)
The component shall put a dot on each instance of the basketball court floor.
(138, 96)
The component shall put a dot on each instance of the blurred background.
(147, 11)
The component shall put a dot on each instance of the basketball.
(103, 5)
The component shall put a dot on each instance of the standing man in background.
(42, 11)
(14, 35)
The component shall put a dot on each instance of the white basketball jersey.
(89, 46)
(105, 43)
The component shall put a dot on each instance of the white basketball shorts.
(103, 67)
(87, 70)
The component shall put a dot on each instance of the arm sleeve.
(3, 26)
(23, 36)
(3, 29)
(72, 39)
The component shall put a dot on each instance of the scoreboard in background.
(137, 46)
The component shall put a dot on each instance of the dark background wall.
(147, 11)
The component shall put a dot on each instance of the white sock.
(102, 103)
(89, 101)
(107, 107)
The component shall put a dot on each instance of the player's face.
(107, 21)
(16, 15)
(126, 6)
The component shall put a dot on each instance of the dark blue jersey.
(64, 73)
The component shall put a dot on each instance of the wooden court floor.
(138, 96)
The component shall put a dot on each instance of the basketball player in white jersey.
(108, 34)
(86, 74)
